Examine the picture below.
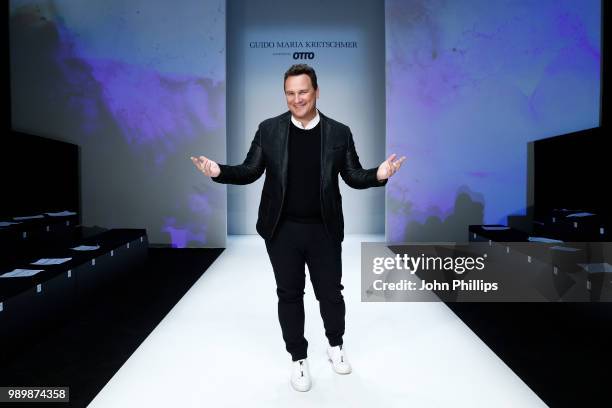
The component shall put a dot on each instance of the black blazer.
(270, 152)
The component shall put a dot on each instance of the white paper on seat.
(86, 247)
(544, 239)
(50, 261)
(564, 249)
(28, 217)
(7, 223)
(60, 214)
(21, 273)
(597, 267)
(580, 215)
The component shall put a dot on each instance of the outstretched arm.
(250, 170)
(209, 167)
(357, 177)
(389, 167)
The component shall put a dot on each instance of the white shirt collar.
(314, 122)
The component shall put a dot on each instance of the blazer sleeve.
(251, 168)
(353, 174)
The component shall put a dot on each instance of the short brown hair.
(299, 69)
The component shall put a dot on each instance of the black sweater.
(303, 197)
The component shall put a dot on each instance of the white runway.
(221, 346)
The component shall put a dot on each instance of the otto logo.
(303, 55)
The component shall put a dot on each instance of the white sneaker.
(300, 376)
(337, 357)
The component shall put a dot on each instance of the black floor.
(86, 351)
(561, 351)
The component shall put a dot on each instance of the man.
(300, 214)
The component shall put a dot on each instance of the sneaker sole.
(338, 372)
(301, 390)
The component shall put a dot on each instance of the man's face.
(301, 97)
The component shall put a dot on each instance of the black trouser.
(294, 245)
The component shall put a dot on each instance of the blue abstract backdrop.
(140, 86)
(469, 84)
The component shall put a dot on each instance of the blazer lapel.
(283, 137)
(325, 131)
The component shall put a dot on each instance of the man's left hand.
(389, 167)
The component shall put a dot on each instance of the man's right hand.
(206, 166)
